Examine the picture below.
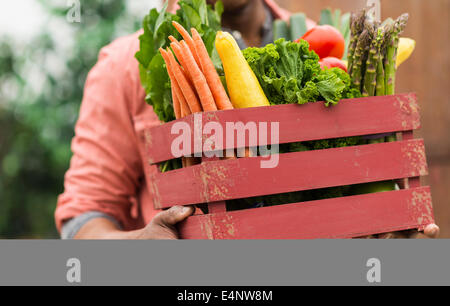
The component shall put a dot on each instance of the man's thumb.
(174, 215)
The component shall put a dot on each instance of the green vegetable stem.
(356, 28)
(372, 53)
(380, 87)
(280, 30)
(359, 59)
(391, 53)
(298, 26)
(370, 78)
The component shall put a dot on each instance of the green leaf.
(345, 30)
(330, 87)
(337, 18)
(326, 17)
(219, 8)
(286, 71)
(161, 17)
(192, 17)
(159, 94)
(157, 28)
(200, 7)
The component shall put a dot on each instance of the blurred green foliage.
(41, 88)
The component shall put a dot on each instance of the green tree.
(41, 87)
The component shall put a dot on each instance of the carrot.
(211, 75)
(177, 50)
(176, 103)
(176, 47)
(175, 98)
(180, 105)
(188, 92)
(173, 39)
(188, 39)
(199, 80)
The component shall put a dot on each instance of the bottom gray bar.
(225, 263)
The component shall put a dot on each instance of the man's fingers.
(173, 215)
(408, 234)
(386, 236)
(431, 231)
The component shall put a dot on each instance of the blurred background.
(44, 60)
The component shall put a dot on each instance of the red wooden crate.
(216, 181)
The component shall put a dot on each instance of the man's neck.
(248, 20)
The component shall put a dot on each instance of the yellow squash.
(243, 86)
(405, 49)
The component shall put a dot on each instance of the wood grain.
(346, 217)
(244, 177)
(353, 117)
(427, 73)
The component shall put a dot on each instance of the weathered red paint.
(353, 117)
(244, 177)
(214, 180)
(346, 217)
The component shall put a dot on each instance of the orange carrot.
(198, 79)
(176, 103)
(184, 107)
(176, 47)
(180, 105)
(211, 75)
(186, 89)
(173, 82)
(187, 38)
(173, 39)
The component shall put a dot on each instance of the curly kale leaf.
(290, 73)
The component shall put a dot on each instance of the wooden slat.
(244, 177)
(346, 217)
(353, 117)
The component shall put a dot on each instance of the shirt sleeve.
(70, 228)
(105, 168)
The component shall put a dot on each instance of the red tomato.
(326, 41)
(331, 62)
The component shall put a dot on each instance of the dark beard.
(239, 9)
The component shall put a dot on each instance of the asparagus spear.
(380, 88)
(359, 59)
(356, 27)
(391, 53)
(370, 76)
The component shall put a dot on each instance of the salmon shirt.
(108, 176)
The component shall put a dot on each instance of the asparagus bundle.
(372, 53)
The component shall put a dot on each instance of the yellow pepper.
(405, 49)
(242, 83)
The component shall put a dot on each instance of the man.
(106, 194)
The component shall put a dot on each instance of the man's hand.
(430, 231)
(161, 227)
(163, 224)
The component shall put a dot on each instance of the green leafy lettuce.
(157, 29)
(290, 73)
